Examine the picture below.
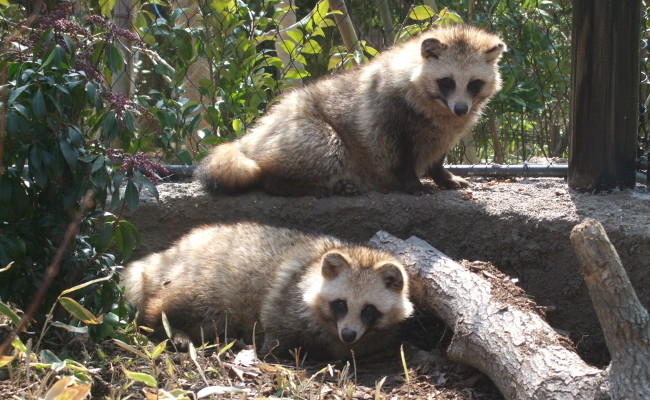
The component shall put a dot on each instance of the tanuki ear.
(493, 54)
(392, 276)
(333, 263)
(432, 48)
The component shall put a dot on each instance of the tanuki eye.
(475, 86)
(446, 85)
(370, 314)
(339, 308)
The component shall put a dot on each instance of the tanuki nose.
(348, 335)
(460, 109)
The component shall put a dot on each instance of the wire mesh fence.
(209, 69)
(222, 63)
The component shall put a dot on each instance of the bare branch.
(87, 202)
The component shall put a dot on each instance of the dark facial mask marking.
(339, 308)
(475, 86)
(370, 315)
(446, 85)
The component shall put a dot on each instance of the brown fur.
(378, 127)
(236, 279)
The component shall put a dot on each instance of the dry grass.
(75, 367)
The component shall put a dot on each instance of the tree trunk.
(387, 22)
(496, 142)
(471, 10)
(345, 26)
(469, 155)
(288, 19)
(123, 17)
(604, 99)
(512, 344)
(197, 70)
(625, 322)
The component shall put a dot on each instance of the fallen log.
(624, 320)
(510, 343)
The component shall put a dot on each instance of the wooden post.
(605, 94)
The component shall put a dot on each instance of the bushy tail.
(228, 169)
(133, 280)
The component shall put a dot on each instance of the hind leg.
(302, 157)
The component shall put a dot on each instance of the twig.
(52, 270)
(4, 108)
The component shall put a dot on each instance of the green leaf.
(91, 91)
(447, 17)
(109, 126)
(86, 284)
(295, 35)
(320, 12)
(4, 309)
(97, 164)
(166, 326)
(132, 196)
(129, 348)
(106, 6)
(311, 47)
(15, 93)
(185, 157)
(19, 345)
(223, 5)
(371, 51)
(4, 360)
(80, 312)
(56, 56)
(127, 238)
(421, 13)
(38, 104)
(237, 125)
(296, 74)
(288, 46)
(4, 3)
(49, 357)
(69, 152)
(158, 350)
(141, 377)
(114, 59)
(226, 347)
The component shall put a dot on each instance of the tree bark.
(604, 99)
(345, 26)
(514, 346)
(288, 19)
(470, 149)
(387, 22)
(123, 17)
(496, 142)
(624, 320)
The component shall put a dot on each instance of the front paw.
(452, 182)
(181, 342)
(346, 188)
(414, 187)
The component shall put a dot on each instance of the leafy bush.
(61, 122)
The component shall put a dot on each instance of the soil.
(521, 226)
